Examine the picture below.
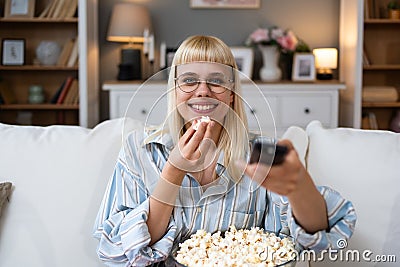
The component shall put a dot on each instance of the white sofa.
(59, 174)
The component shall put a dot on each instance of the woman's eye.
(216, 81)
(190, 80)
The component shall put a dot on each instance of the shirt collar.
(158, 136)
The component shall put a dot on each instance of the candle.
(151, 48)
(146, 41)
(163, 48)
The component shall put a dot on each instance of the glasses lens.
(187, 83)
(218, 84)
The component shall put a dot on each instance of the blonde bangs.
(204, 48)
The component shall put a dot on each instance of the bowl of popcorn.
(253, 247)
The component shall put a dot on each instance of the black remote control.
(267, 152)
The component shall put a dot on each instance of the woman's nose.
(203, 89)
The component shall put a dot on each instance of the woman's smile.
(203, 107)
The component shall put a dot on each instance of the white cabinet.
(271, 105)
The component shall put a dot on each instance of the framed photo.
(169, 56)
(225, 3)
(13, 52)
(303, 67)
(244, 60)
(19, 8)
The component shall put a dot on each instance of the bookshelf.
(370, 58)
(18, 79)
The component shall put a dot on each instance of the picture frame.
(303, 67)
(244, 58)
(169, 56)
(19, 8)
(13, 52)
(239, 4)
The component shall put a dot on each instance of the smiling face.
(204, 89)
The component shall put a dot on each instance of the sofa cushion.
(299, 139)
(364, 166)
(60, 174)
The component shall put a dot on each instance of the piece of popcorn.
(196, 122)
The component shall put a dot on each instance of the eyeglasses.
(217, 84)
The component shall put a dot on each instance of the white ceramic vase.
(48, 52)
(270, 71)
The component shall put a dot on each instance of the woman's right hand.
(195, 150)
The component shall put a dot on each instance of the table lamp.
(128, 24)
(325, 61)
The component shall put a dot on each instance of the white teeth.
(202, 107)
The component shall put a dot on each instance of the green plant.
(394, 4)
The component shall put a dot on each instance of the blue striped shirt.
(121, 221)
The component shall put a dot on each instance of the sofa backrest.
(59, 175)
(364, 166)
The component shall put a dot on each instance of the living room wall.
(315, 21)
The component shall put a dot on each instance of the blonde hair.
(233, 140)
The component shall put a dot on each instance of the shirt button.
(198, 210)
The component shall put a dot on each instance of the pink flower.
(285, 39)
(277, 33)
(259, 35)
(288, 42)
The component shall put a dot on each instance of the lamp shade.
(128, 23)
(325, 58)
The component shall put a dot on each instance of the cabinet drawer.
(261, 112)
(145, 106)
(148, 107)
(300, 110)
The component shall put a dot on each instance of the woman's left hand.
(282, 179)
(291, 179)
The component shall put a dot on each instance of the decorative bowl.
(262, 256)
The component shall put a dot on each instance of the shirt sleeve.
(121, 225)
(341, 218)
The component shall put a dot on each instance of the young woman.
(172, 181)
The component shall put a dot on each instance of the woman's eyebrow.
(217, 73)
(189, 73)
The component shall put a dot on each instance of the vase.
(36, 95)
(270, 71)
(48, 52)
(394, 14)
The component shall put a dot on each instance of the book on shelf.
(73, 57)
(378, 8)
(366, 61)
(76, 99)
(56, 95)
(72, 92)
(70, 9)
(50, 12)
(60, 9)
(63, 93)
(46, 10)
(367, 9)
(65, 52)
